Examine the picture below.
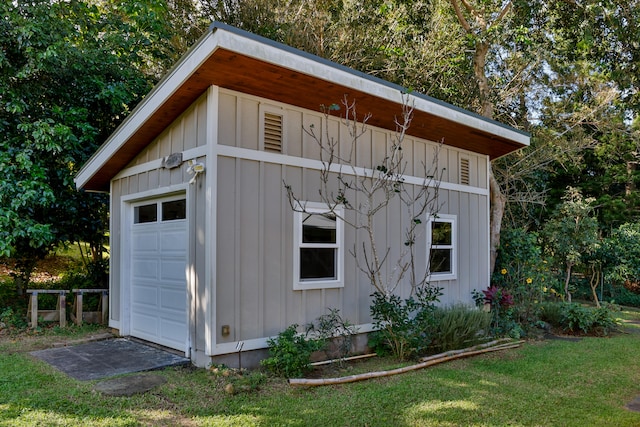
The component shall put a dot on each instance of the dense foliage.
(404, 326)
(70, 71)
(290, 353)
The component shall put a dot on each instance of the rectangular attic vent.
(273, 132)
(464, 171)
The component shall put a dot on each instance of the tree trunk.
(595, 280)
(479, 63)
(566, 282)
(630, 185)
(496, 211)
(497, 199)
(487, 107)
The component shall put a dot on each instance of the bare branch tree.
(364, 191)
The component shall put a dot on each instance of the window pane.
(440, 261)
(441, 233)
(145, 213)
(317, 263)
(176, 209)
(319, 228)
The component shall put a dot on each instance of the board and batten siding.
(144, 177)
(254, 252)
(253, 268)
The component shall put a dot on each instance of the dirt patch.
(33, 340)
(556, 337)
(130, 385)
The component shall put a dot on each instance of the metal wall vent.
(464, 171)
(273, 132)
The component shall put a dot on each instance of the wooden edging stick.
(343, 359)
(428, 361)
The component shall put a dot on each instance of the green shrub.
(621, 256)
(12, 319)
(551, 312)
(290, 353)
(522, 271)
(459, 326)
(404, 327)
(604, 320)
(623, 296)
(576, 318)
(336, 331)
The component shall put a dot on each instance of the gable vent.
(273, 132)
(464, 171)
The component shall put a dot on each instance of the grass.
(545, 383)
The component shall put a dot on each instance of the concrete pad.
(103, 359)
(129, 385)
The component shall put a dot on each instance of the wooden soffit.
(229, 69)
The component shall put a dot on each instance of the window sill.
(317, 284)
(441, 277)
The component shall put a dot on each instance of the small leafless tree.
(364, 191)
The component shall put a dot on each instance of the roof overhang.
(234, 59)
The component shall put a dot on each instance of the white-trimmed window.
(441, 247)
(318, 259)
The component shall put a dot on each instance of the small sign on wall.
(172, 161)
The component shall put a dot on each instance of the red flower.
(497, 296)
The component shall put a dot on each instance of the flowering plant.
(497, 297)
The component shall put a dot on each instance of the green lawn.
(545, 383)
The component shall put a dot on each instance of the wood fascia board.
(147, 107)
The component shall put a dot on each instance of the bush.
(551, 312)
(404, 327)
(621, 255)
(459, 326)
(576, 318)
(290, 353)
(623, 296)
(501, 301)
(523, 272)
(13, 320)
(336, 331)
(604, 321)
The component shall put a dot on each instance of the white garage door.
(158, 272)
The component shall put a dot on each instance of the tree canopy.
(70, 71)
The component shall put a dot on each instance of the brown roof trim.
(285, 79)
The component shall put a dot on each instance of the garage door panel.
(144, 296)
(146, 241)
(145, 269)
(172, 270)
(144, 324)
(171, 329)
(172, 241)
(173, 299)
(158, 282)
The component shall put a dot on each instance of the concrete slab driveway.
(103, 359)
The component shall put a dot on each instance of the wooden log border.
(497, 345)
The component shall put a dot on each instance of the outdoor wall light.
(195, 169)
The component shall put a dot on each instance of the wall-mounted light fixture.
(195, 169)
